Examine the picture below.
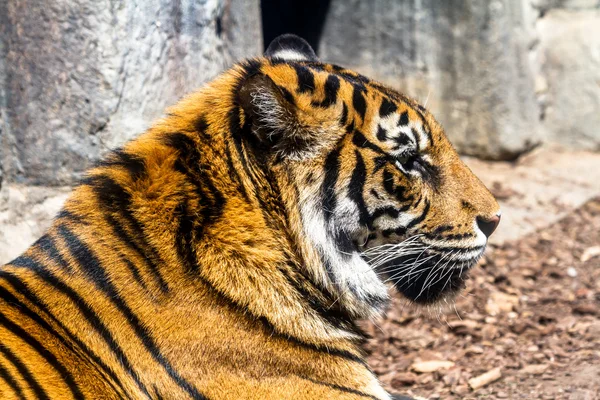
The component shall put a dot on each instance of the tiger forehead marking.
(228, 251)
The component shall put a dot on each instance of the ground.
(529, 321)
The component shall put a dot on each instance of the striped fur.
(227, 252)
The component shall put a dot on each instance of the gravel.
(526, 327)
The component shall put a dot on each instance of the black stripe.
(457, 250)
(132, 163)
(344, 243)
(375, 194)
(356, 188)
(44, 352)
(421, 217)
(404, 120)
(426, 128)
(344, 117)
(10, 381)
(212, 201)
(287, 95)
(400, 231)
(25, 373)
(398, 191)
(386, 108)
(388, 210)
(361, 141)
(91, 317)
(331, 314)
(22, 288)
(332, 85)
(389, 182)
(358, 101)
(442, 229)
(185, 237)
(114, 198)
(157, 394)
(328, 193)
(126, 239)
(402, 139)
(381, 133)
(234, 173)
(430, 173)
(66, 214)
(93, 269)
(201, 127)
(134, 270)
(306, 79)
(47, 245)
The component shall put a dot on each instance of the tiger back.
(228, 252)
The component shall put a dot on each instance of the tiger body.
(217, 256)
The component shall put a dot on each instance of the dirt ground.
(526, 327)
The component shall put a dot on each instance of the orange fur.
(179, 267)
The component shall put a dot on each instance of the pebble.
(431, 366)
(534, 369)
(485, 379)
(403, 379)
(590, 253)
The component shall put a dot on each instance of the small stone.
(403, 379)
(431, 366)
(572, 272)
(485, 379)
(585, 309)
(593, 331)
(534, 369)
(474, 350)
(500, 302)
(502, 395)
(460, 390)
(590, 253)
(489, 332)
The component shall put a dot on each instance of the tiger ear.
(290, 47)
(275, 120)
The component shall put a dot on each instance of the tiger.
(231, 250)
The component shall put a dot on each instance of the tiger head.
(381, 194)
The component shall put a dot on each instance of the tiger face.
(381, 193)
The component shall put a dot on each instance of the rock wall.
(568, 83)
(81, 77)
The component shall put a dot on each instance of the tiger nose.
(488, 225)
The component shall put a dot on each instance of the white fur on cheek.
(352, 278)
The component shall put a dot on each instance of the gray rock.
(545, 5)
(467, 60)
(81, 77)
(569, 92)
(25, 213)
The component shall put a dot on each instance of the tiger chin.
(228, 252)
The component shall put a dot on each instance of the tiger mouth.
(421, 273)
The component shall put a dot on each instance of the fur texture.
(227, 252)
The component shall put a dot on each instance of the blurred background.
(515, 83)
